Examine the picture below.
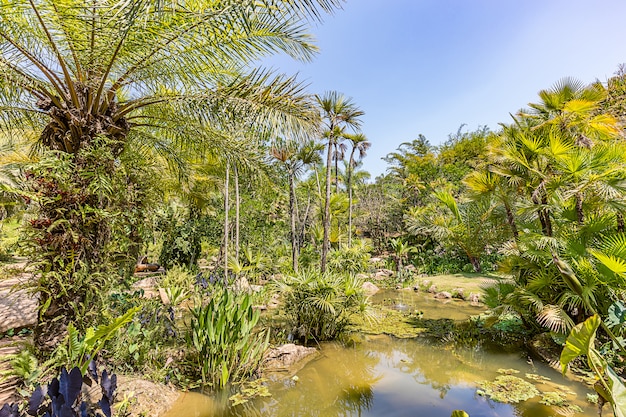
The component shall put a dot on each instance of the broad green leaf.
(617, 314)
(618, 393)
(579, 341)
(459, 413)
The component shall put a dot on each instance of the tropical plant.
(468, 226)
(65, 396)
(80, 351)
(352, 259)
(319, 305)
(609, 386)
(225, 347)
(338, 114)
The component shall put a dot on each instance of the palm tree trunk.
(237, 205)
(620, 222)
(580, 215)
(226, 208)
(326, 218)
(292, 211)
(511, 220)
(349, 186)
(336, 169)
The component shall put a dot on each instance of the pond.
(386, 376)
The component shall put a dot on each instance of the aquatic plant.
(224, 346)
(508, 389)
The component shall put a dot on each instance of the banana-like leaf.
(580, 341)
(618, 393)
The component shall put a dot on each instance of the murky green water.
(385, 376)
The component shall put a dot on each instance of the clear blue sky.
(428, 66)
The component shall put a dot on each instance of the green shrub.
(318, 305)
(351, 260)
(223, 343)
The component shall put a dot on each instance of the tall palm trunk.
(294, 233)
(226, 225)
(326, 218)
(237, 205)
(336, 168)
(349, 186)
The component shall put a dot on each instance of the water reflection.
(385, 376)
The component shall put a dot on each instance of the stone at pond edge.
(443, 294)
(146, 397)
(370, 288)
(473, 298)
(432, 289)
(285, 356)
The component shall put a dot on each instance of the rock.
(410, 268)
(426, 283)
(416, 288)
(148, 285)
(443, 295)
(398, 287)
(458, 293)
(387, 272)
(147, 398)
(432, 289)
(474, 298)
(370, 288)
(375, 260)
(379, 276)
(242, 285)
(364, 277)
(286, 356)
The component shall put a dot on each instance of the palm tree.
(295, 156)
(359, 144)
(101, 75)
(338, 114)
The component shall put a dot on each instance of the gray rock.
(370, 288)
(474, 298)
(432, 289)
(443, 295)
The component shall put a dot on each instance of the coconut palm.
(360, 145)
(339, 113)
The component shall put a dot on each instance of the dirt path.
(18, 310)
